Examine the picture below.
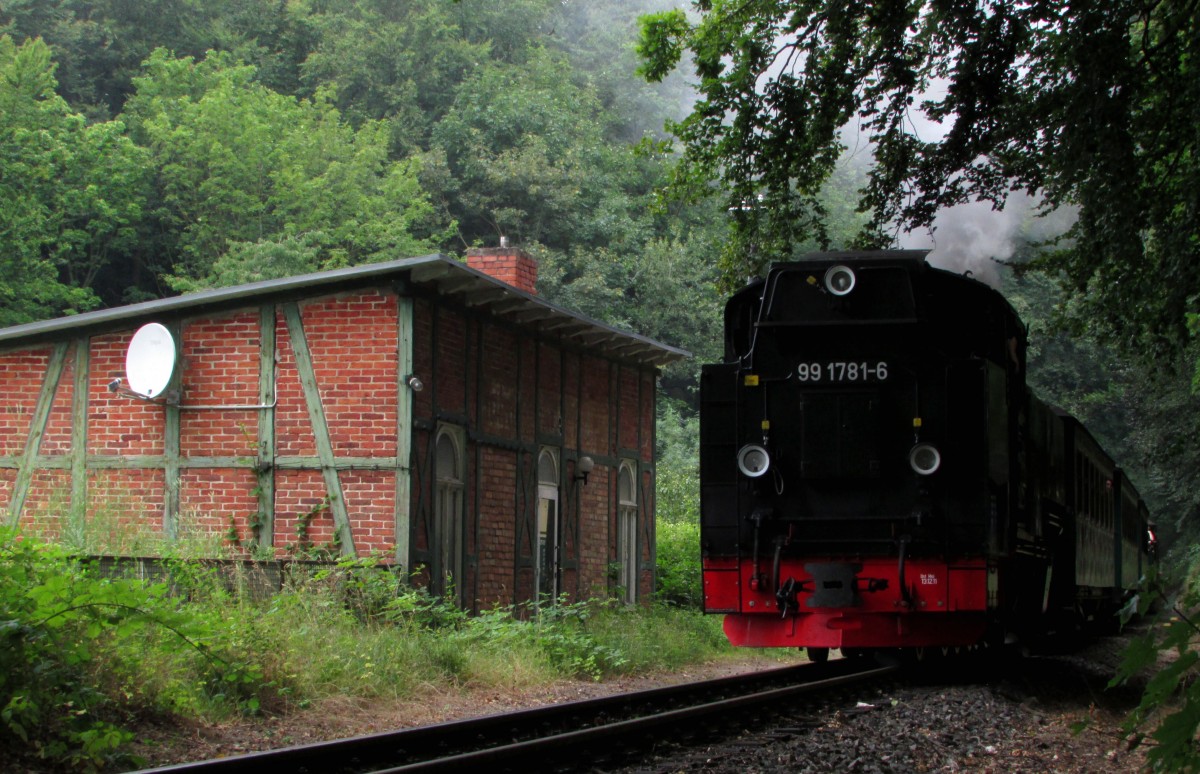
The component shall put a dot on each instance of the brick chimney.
(507, 264)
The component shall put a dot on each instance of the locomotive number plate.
(843, 371)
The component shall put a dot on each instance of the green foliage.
(626, 288)
(279, 179)
(663, 37)
(78, 652)
(677, 489)
(679, 581)
(526, 153)
(655, 637)
(960, 102)
(70, 193)
(82, 654)
(1170, 702)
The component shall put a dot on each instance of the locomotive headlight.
(925, 458)
(753, 460)
(839, 280)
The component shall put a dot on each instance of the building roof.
(435, 274)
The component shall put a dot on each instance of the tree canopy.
(70, 192)
(1092, 106)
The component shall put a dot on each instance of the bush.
(82, 655)
(679, 580)
(1170, 703)
(79, 653)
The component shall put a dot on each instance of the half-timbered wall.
(296, 430)
(516, 395)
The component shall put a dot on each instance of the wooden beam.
(37, 429)
(429, 272)
(172, 433)
(511, 305)
(265, 466)
(79, 435)
(316, 415)
(484, 297)
(534, 315)
(456, 284)
(404, 433)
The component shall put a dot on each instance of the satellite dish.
(150, 360)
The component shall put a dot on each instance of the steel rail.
(588, 737)
(521, 735)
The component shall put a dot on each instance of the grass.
(85, 655)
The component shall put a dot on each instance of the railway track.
(563, 737)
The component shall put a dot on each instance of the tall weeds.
(82, 656)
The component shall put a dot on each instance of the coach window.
(546, 565)
(627, 519)
(448, 515)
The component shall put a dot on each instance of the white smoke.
(976, 237)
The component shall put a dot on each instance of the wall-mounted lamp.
(583, 467)
(414, 383)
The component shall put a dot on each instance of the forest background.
(157, 147)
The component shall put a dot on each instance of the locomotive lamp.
(925, 459)
(839, 280)
(753, 460)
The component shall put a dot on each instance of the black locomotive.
(875, 473)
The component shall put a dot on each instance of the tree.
(239, 164)
(526, 156)
(101, 44)
(71, 194)
(402, 62)
(1092, 105)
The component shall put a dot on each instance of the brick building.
(425, 410)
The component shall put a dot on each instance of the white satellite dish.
(150, 360)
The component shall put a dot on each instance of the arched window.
(446, 540)
(546, 566)
(627, 521)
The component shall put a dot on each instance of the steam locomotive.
(876, 474)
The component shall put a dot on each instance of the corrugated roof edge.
(351, 276)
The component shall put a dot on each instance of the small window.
(627, 532)
(546, 564)
(447, 542)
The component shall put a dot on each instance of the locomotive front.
(855, 455)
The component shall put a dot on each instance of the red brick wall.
(21, 374)
(293, 428)
(47, 504)
(630, 415)
(117, 425)
(549, 389)
(497, 526)
(371, 501)
(218, 365)
(423, 322)
(507, 264)
(212, 501)
(127, 500)
(596, 422)
(451, 364)
(302, 516)
(499, 385)
(353, 345)
(595, 537)
(512, 391)
(57, 440)
(572, 363)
